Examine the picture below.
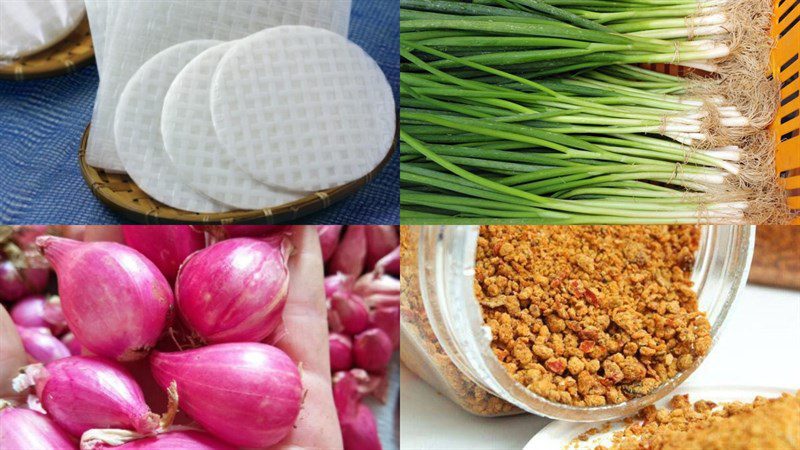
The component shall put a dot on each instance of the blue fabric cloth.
(41, 123)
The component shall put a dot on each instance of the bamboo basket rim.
(121, 194)
(74, 52)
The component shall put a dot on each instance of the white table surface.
(757, 347)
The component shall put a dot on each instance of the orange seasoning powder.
(763, 424)
(591, 315)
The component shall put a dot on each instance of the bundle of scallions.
(534, 111)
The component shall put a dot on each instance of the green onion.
(533, 111)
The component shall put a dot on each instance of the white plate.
(192, 145)
(302, 108)
(138, 30)
(559, 435)
(137, 129)
(29, 26)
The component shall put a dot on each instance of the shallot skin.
(37, 311)
(41, 345)
(381, 240)
(25, 235)
(350, 312)
(328, 239)
(24, 429)
(357, 423)
(167, 246)
(390, 263)
(114, 299)
(351, 253)
(235, 290)
(84, 392)
(388, 320)
(235, 231)
(341, 352)
(378, 290)
(17, 283)
(336, 283)
(247, 394)
(359, 432)
(12, 287)
(72, 343)
(175, 440)
(29, 312)
(372, 350)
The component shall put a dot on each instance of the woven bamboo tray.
(122, 195)
(72, 53)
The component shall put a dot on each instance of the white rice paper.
(191, 141)
(302, 108)
(137, 129)
(142, 29)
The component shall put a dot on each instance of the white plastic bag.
(30, 26)
(98, 12)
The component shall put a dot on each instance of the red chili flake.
(591, 297)
(556, 365)
(586, 346)
(496, 248)
(588, 334)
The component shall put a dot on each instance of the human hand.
(306, 342)
(12, 356)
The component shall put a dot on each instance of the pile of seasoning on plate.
(763, 424)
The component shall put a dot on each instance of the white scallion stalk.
(675, 33)
(734, 121)
(706, 66)
(723, 155)
(711, 19)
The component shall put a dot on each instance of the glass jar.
(445, 341)
(776, 261)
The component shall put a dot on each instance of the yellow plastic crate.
(786, 69)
